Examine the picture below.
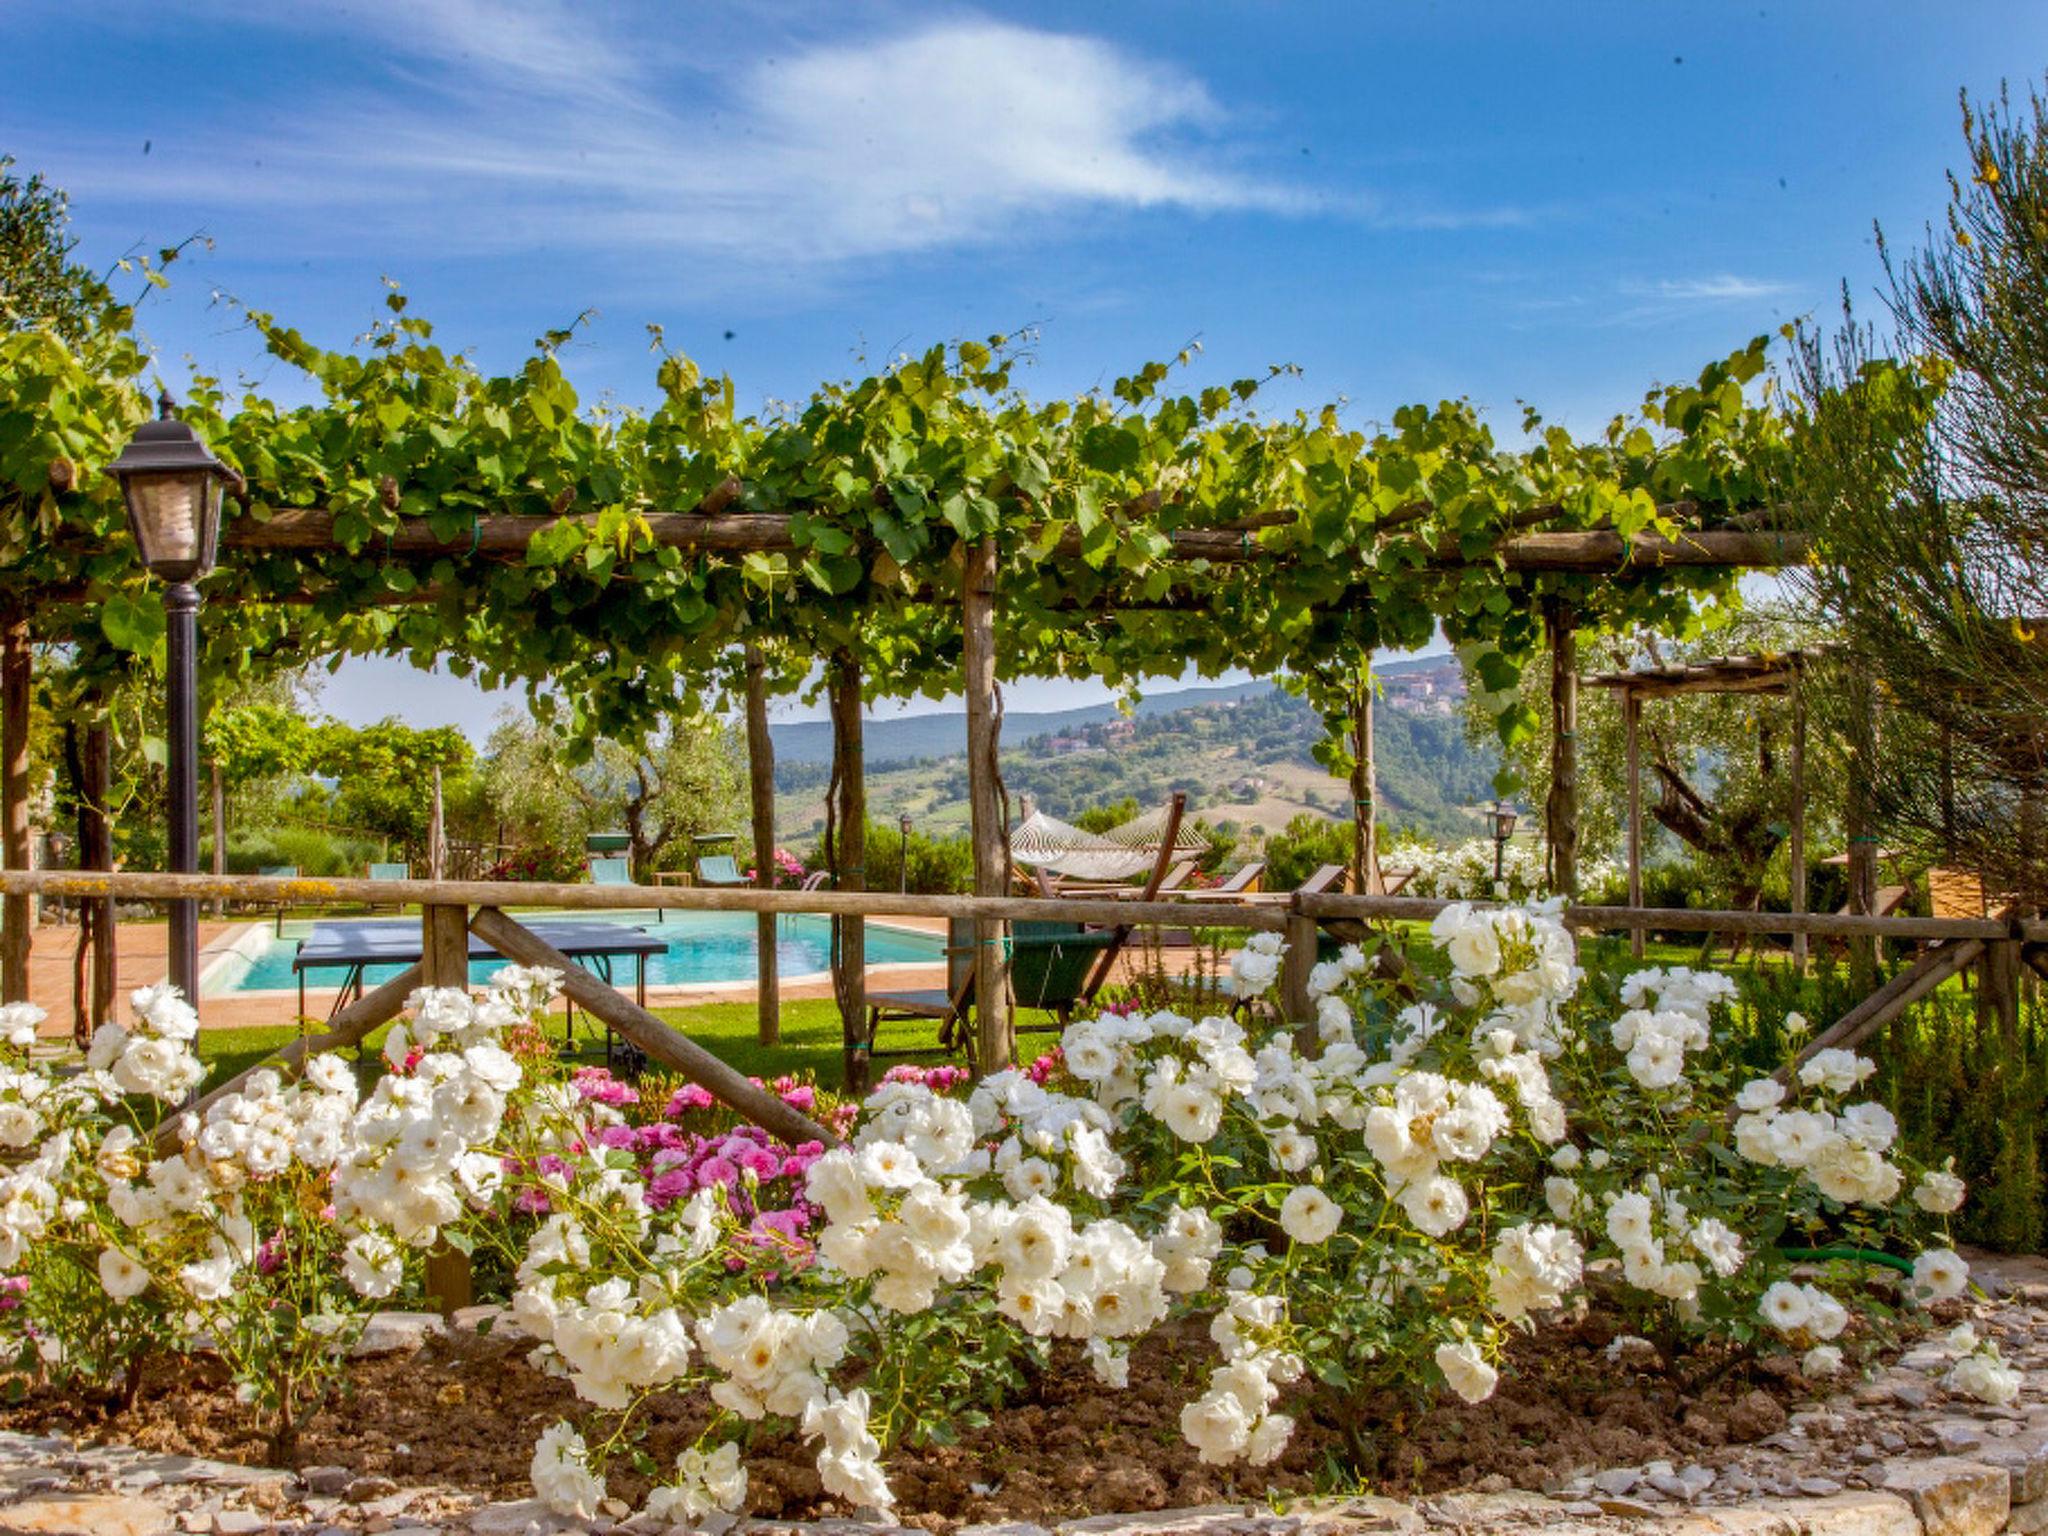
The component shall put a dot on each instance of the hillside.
(1244, 754)
(945, 734)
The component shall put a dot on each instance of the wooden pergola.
(1777, 675)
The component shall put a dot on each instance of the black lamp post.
(903, 854)
(172, 484)
(1503, 829)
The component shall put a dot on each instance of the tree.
(689, 779)
(1922, 479)
(40, 285)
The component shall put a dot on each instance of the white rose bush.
(1374, 1203)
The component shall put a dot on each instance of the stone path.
(1894, 1455)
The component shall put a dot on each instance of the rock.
(2025, 1456)
(329, 1482)
(237, 1522)
(1131, 1488)
(1003, 1528)
(395, 1333)
(1851, 1514)
(1755, 1415)
(1954, 1435)
(1953, 1497)
(361, 1490)
(1616, 1481)
(1628, 1509)
(1818, 1487)
(85, 1514)
(2028, 1519)
(518, 1518)
(1912, 1394)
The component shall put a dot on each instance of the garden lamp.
(172, 485)
(1503, 829)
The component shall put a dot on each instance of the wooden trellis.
(1768, 675)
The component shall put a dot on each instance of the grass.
(810, 1039)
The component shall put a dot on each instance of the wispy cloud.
(1727, 288)
(501, 128)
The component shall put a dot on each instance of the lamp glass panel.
(168, 513)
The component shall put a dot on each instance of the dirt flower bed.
(465, 1409)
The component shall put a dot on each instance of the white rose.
(1308, 1215)
(1466, 1371)
(1939, 1274)
(1939, 1191)
(121, 1275)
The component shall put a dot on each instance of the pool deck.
(143, 950)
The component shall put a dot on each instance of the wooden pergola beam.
(504, 535)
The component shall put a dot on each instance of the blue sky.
(1563, 204)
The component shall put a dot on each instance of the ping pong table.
(351, 947)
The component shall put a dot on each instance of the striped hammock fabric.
(1124, 852)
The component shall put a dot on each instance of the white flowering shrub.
(1359, 1208)
(1376, 1202)
(265, 1229)
(1464, 871)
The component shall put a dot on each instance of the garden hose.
(1867, 1255)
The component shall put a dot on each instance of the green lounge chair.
(1054, 967)
(387, 872)
(720, 869)
(618, 872)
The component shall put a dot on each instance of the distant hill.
(944, 734)
(1244, 754)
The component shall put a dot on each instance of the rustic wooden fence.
(452, 909)
(1998, 950)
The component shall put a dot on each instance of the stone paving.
(1894, 1454)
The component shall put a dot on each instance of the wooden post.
(1998, 992)
(1632, 722)
(96, 927)
(1295, 965)
(219, 791)
(1365, 852)
(437, 837)
(16, 912)
(1856, 819)
(444, 962)
(849, 872)
(1561, 811)
(761, 781)
(1798, 849)
(995, 1026)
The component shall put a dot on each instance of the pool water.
(702, 947)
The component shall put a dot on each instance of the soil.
(466, 1410)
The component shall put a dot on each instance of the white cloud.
(498, 129)
(505, 128)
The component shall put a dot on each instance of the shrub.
(1303, 846)
(1379, 1213)
(543, 862)
(312, 851)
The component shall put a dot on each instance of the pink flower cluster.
(596, 1085)
(938, 1079)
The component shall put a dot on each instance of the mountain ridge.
(943, 733)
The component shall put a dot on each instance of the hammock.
(1122, 853)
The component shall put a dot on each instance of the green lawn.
(810, 1039)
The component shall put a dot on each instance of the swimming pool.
(702, 947)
